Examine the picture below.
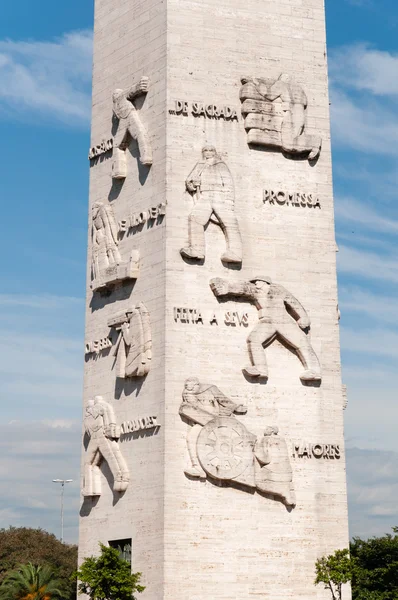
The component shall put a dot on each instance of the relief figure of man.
(130, 126)
(105, 251)
(100, 426)
(273, 471)
(294, 138)
(133, 349)
(202, 402)
(212, 186)
(280, 315)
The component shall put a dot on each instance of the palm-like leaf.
(29, 582)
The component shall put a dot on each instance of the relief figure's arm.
(298, 310)
(221, 287)
(138, 88)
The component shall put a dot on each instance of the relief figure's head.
(208, 152)
(117, 94)
(261, 281)
(192, 384)
(271, 430)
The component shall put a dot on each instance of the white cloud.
(48, 78)
(359, 212)
(366, 69)
(368, 126)
(368, 265)
(44, 301)
(363, 340)
(364, 84)
(372, 491)
(33, 455)
(41, 356)
(376, 306)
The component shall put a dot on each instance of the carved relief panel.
(133, 349)
(103, 433)
(275, 113)
(280, 315)
(107, 267)
(212, 188)
(130, 127)
(222, 448)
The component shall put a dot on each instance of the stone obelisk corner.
(213, 442)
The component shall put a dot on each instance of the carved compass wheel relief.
(224, 448)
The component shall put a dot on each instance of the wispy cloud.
(367, 265)
(362, 341)
(364, 87)
(44, 301)
(48, 78)
(33, 454)
(359, 212)
(364, 68)
(41, 356)
(368, 126)
(377, 306)
(372, 491)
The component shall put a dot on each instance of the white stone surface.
(194, 539)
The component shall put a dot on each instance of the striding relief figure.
(211, 185)
(130, 126)
(103, 433)
(280, 315)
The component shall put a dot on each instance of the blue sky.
(45, 73)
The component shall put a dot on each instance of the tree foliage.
(376, 573)
(21, 545)
(108, 577)
(30, 582)
(333, 571)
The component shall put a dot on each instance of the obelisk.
(213, 448)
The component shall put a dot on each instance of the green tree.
(333, 571)
(375, 575)
(29, 582)
(108, 577)
(20, 545)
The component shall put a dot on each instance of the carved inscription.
(96, 346)
(196, 316)
(288, 199)
(136, 219)
(140, 424)
(102, 148)
(326, 451)
(202, 109)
